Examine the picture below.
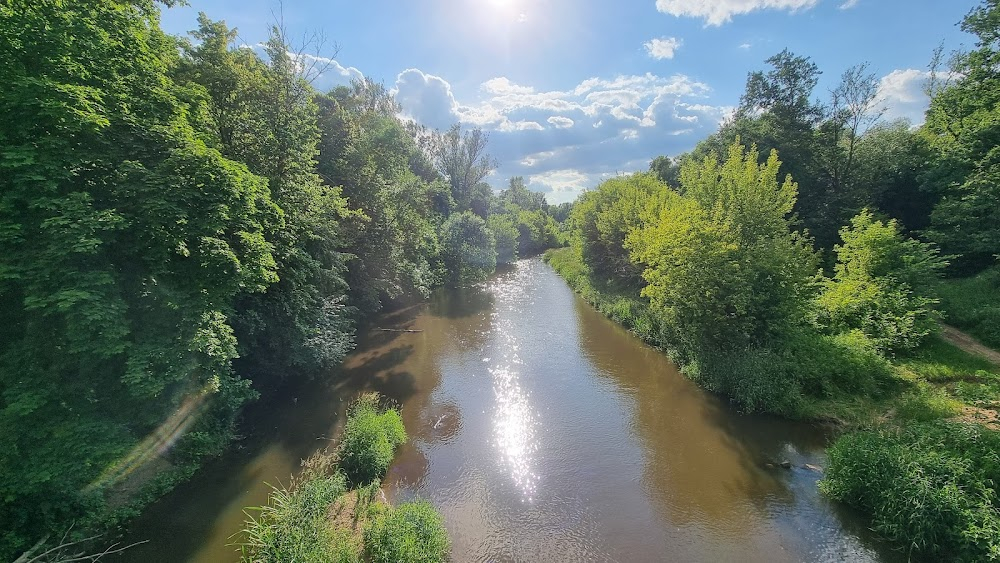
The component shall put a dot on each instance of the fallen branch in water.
(398, 330)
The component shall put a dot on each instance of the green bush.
(973, 304)
(369, 441)
(505, 234)
(882, 285)
(468, 248)
(931, 488)
(413, 531)
(294, 526)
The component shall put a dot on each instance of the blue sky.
(573, 91)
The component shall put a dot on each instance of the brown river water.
(543, 432)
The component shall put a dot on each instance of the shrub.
(468, 248)
(973, 304)
(369, 441)
(294, 526)
(413, 531)
(505, 234)
(882, 285)
(929, 487)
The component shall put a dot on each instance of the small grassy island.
(334, 511)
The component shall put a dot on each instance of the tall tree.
(462, 159)
(963, 127)
(126, 242)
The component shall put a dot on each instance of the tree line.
(183, 218)
(793, 262)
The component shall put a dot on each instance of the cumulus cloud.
(662, 47)
(560, 122)
(562, 185)
(718, 12)
(565, 140)
(426, 98)
(902, 93)
(326, 73)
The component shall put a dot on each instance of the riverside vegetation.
(813, 286)
(187, 223)
(332, 511)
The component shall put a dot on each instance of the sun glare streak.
(514, 422)
(157, 442)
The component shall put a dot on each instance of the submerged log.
(398, 330)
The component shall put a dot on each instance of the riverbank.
(918, 459)
(937, 381)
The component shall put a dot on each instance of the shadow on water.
(196, 520)
(461, 302)
(709, 466)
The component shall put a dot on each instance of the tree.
(127, 241)
(667, 169)
(462, 159)
(468, 248)
(882, 285)
(505, 234)
(964, 130)
(604, 217)
(518, 195)
(304, 320)
(721, 264)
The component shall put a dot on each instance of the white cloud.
(598, 127)
(848, 4)
(562, 185)
(426, 98)
(902, 93)
(718, 12)
(745, 46)
(520, 126)
(326, 73)
(662, 47)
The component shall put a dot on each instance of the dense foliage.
(184, 219)
(294, 525)
(318, 518)
(369, 441)
(882, 285)
(930, 487)
(412, 531)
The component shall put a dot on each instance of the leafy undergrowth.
(929, 487)
(319, 518)
(920, 448)
(973, 305)
(839, 378)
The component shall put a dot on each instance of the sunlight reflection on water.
(514, 420)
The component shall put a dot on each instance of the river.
(543, 432)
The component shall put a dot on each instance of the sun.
(510, 9)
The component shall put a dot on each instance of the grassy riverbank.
(918, 455)
(335, 512)
(935, 381)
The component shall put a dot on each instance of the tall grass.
(930, 488)
(294, 526)
(371, 436)
(413, 531)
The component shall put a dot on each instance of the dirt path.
(958, 338)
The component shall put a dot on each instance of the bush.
(882, 285)
(930, 487)
(413, 531)
(369, 441)
(468, 248)
(505, 234)
(294, 526)
(973, 304)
